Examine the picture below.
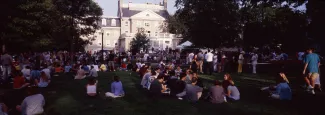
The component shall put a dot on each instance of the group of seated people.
(116, 88)
(186, 85)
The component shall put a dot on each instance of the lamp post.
(102, 31)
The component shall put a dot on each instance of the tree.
(141, 41)
(207, 21)
(40, 25)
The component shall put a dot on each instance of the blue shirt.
(67, 68)
(86, 68)
(312, 60)
(284, 91)
(36, 74)
(117, 88)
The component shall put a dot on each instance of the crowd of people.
(175, 76)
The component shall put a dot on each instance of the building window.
(148, 15)
(156, 34)
(147, 24)
(167, 42)
(104, 22)
(107, 34)
(126, 31)
(126, 23)
(100, 43)
(113, 22)
(149, 32)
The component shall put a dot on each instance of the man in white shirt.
(93, 72)
(145, 57)
(209, 59)
(254, 62)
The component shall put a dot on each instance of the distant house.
(119, 30)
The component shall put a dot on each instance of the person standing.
(209, 59)
(111, 63)
(6, 61)
(254, 62)
(311, 69)
(200, 58)
(240, 62)
(190, 57)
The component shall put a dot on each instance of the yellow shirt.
(103, 67)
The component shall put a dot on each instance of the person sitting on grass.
(232, 92)
(278, 79)
(93, 72)
(179, 89)
(193, 92)
(145, 79)
(33, 104)
(226, 81)
(188, 79)
(58, 69)
(67, 68)
(26, 72)
(103, 67)
(157, 87)
(91, 87)
(86, 68)
(282, 89)
(199, 80)
(19, 81)
(35, 74)
(3, 109)
(43, 81)
(216, 93)
(80, 74)
(116, 89)
(178, 71)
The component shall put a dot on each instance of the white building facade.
(118, 32)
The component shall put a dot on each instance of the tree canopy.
(39, 25)
(250, 23)
(140, 42)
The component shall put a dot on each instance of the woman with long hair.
(227, 80)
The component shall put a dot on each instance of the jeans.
(6, 70)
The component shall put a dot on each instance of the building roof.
(109, 22)
(129, 13)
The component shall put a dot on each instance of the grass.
(66, 96)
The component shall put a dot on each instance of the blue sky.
(110, 6)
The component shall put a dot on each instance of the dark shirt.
(155, 87)
(199, 82)
(111, 57)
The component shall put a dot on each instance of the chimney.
(165, 4)
(120, 5)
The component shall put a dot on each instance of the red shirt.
(19, 82)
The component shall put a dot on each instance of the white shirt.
(254, 59)
(91, 89)
(26, 72)
(241, 59)
(47, 71)
(191, 55)
(93, 73)
(209, 57)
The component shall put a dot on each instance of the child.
(43, 82)
(91, 87)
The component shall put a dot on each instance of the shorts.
(312, 75)
(317, 80)
(110, 63)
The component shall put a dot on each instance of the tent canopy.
(185, 44)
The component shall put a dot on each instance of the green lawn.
(66, 96)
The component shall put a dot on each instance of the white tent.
(185, 44)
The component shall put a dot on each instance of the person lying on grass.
(33, 104)
(91, 87)
(282, 90)
(116, 89)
